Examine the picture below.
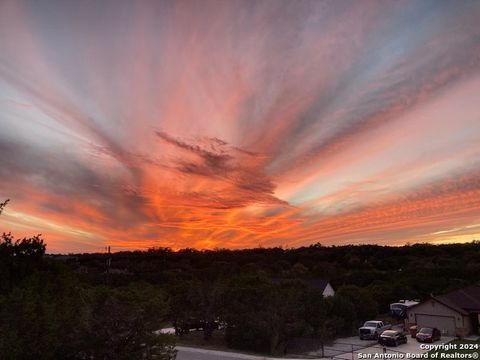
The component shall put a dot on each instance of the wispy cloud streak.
(237, 124)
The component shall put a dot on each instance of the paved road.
(412, 346)
(187, 353)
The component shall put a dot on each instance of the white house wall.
(432, 307)
(328, 291)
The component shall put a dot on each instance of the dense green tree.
(18, 258)
(42, 317)
(46, 312)
(121, 323)
(365, 305)
(197, 304)
(317, 311)
(342, 317)
(262, 315)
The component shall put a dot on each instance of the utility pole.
(108, 263)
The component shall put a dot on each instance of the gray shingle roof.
(317, 284)
(467, 298)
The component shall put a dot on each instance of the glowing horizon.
(239, 124)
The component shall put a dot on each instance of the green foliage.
(41, 316)
(46, 312)
(50, 316)
(386, 292)
(342, 320)
(53, 311)
(197, 300)
(19, 258)
(121, 323)
(242, 287)
(261, 315)
(317, 313)
(364, 303)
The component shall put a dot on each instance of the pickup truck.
(372, 329)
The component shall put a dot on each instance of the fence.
(316, 349)
(382, 349)
(337, 350)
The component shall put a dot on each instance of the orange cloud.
(237, 125)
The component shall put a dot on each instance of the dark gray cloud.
(215, 159)
(60, 173)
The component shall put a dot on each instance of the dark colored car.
(184, 326)
(392, 338)
(428, 335)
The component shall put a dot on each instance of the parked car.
(428, 335)
(392, 338)
(185, 326)
(372, 329)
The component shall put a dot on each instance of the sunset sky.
(234, 124)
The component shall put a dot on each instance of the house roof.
(317, 284)
(449, 304)
(467, 298)
(462, 301)
(314, 284)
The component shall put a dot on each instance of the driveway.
(411, 347)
